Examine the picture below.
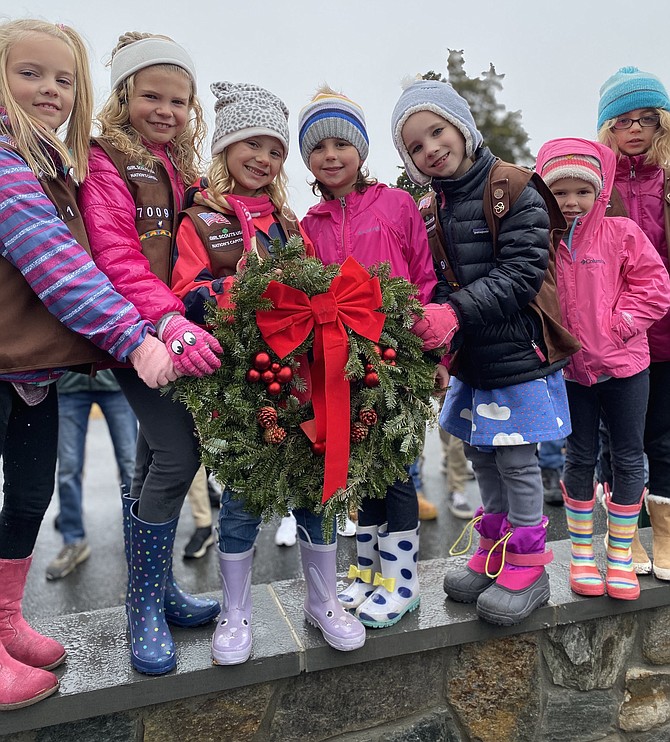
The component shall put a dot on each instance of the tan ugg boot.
(659, 514)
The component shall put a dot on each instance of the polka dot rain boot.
(151, 645)
(397, 586)
(367, 559)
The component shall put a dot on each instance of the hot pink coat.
(611, 281)
(382, 224)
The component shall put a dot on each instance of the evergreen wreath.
(248, 416)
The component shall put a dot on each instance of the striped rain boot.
(641, 560)
(585, 579)
(620, 579)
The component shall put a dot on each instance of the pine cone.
(267, 417)
(368, 417)
(359, 432)
(274, 435)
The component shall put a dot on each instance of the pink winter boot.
(21, 641)
(21, 685)
(466, 584)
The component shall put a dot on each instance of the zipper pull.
(538, 352)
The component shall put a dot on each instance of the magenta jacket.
(108, 211)
(382, 224)
(611, 282)
(641, 188)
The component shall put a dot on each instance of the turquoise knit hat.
(629, 89)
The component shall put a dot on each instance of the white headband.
(147, 53)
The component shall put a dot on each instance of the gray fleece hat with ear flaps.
(244, 110)
(442, 99)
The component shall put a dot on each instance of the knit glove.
(437, 327)
(190, 347)
(152, 362)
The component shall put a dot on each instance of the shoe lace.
(467, 528)
(501, 541)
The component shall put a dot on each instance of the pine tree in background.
(502, 130)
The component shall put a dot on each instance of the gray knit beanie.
(442, 99)
(331, 115)
(244, 110)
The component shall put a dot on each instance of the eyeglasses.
(648, 120)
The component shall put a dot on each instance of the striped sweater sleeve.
(35, 241)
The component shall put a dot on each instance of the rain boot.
(21, 685)
(521, 585)
(659, 513)
(585, 579)
(367, 558)
(21, 641)
(181, 609)
(397, 590)
(340, 629)
(466, 584)
(151, 645)
(231, 643)
(620, 578)
(641, 560)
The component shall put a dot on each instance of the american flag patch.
(212, 217)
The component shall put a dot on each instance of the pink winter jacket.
(108, 211)
(382, 224)
(611, 283)
(641, 187)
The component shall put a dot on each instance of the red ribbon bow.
(352, 300)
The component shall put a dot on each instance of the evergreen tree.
(502, 130)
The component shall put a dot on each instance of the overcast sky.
(555, 54)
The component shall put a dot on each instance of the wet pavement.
(100, 581)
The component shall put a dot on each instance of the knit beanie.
(630, 89)
(148, 52)
(332, 115)
(583, 167)
(442, 99)
(244, 110)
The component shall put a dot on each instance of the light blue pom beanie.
(629, 89)
(442, 99)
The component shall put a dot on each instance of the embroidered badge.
(212, 217)
(425, 202)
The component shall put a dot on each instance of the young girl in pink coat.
(612, 286)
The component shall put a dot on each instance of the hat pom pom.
(408, 81)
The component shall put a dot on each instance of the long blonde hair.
(115, 127)
(29, 136)
(221, 183)
(658, 153)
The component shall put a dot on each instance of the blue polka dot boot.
(181, 609)
(397, 590)
(151, 645)
(367, 558)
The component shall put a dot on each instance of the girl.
(613, 260)
(241, 206)
(507, 391)
(360, 217)
(634, 121)
(151, 128)
(55, 302)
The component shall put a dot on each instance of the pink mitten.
(191, 348)
(152, 362)
(437, 326)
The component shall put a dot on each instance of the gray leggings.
(510, 481)
(167, 451)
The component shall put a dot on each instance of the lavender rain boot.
(340, 629)
(231, 643)
(367, 558)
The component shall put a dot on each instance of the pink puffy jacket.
(382, 224)
(611, 282)
(108, 211)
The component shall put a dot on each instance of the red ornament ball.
(215, 414)
(371, 379)
(275, 366)
(389, 354)
(368, 368)
(253, 376)
(261, 361)
(318, 448)
(268, 376)
(377, 349)
(274, 388)
(284, 374)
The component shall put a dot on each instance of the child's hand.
(442, 377)
(152, 362)
(623, 324)
(437, 327)
(191, 348)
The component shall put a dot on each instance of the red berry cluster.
(272, 374)
(387, 355)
